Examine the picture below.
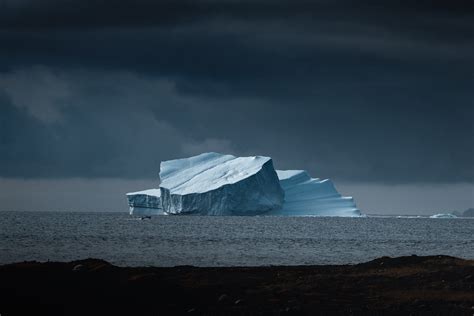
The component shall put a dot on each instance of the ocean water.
(226, 241)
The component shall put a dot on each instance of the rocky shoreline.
(433, 285)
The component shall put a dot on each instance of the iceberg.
(217, 184)
(306, 196)
(145, 203)
(447, 215)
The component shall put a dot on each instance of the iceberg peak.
(208, 171)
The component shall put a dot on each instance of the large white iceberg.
(216, 184)
(145, 203)
(306, 196)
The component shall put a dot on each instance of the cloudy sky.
(379, 98)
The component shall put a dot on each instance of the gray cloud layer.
(354, 92)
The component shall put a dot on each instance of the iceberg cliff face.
(216, 184)
(144, 203)
(306, 196)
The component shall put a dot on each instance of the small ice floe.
(444, 215)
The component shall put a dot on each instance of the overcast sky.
(371, 94)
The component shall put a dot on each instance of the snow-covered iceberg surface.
(447, 215)
(145, 203)
(216, 184)
(306, 196)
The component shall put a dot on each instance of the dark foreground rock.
(436, 285)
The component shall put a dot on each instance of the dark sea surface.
(226, 241)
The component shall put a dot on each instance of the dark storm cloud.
(98, 13)
(355, 91)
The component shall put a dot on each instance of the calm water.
(223, 241)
